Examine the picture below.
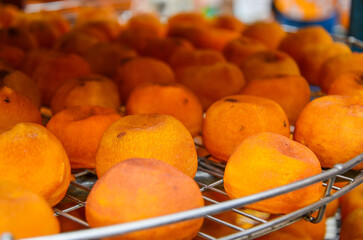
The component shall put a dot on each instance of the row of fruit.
(238, 86)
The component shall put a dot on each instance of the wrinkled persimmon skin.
(274, 160)
(137, 189)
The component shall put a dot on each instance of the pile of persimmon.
(128, 99)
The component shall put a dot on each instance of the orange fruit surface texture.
(80, 129)
(33, 157)
(12, 55)
(105, 57)
(213, 82)
(338, 135)
(352, 226)
(269, 33)
(16, 108)
(20, 83)
(294, 43)
(140, 70)
(87, 90)
(229, 22)
(137, 189)
(147, 136)
(269, 63)
(268, 161)
(351, 201)
(335, 66)
(314, 56)
(350, 83)
(53, 71)
(173, 99)
(292, 93)
(239, 49)
(232, 119)
(25, 214)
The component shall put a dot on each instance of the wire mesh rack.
(210, 179)
(250, 224)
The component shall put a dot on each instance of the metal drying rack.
(210, 179)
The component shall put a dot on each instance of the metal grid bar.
(218, 207)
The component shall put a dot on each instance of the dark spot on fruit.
(242, 128)
(285, 124)
(82, 84)
(230, 100)
(3, 74)
(7, 100)
(120, 135)
(359, 79)
(185, 101)
(271, 58)
(125, 60)
(13, 32)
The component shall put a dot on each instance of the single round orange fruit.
(21, 83)
(34, 158)
(294, 43)
(137, 189)
(147, 136)
(238, 50)
(53, 71)
(314, 56)
(87, 90)
(232, 119)
(335, 66)
(352, 226)
(16, 108)
(25, 214)
(173, 99)
(80, 129)
(129, 74)
(350, 83)
(268, 161)
(213, 82)
(229, 22)
(269, 63)
(292, 93)
(332, 127)
(269, 33)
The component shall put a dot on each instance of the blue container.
(328, 23)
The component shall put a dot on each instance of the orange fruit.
(147, 136)
(227, 22)
(129, 75)
(164, 48)
(35, 57)
(21, 83)
(72, 127)
(33, 146)
(294, 43)
(185, 58)
(269, 33)
(232, 119)
(16, 108)
(314, 56)
(335, 66)
(352, 226)
(331, 121)
(173, 99)
(271, 160)
(137, 189)
(25, 214)
(269, 63)
(18, 36)
(238, 50)
(351, 201)
(193, 18)
(350, 83)
(87, 90)
(213, 82)
(104, 57)
(12, 55)
(53, 71)
(292, 93)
